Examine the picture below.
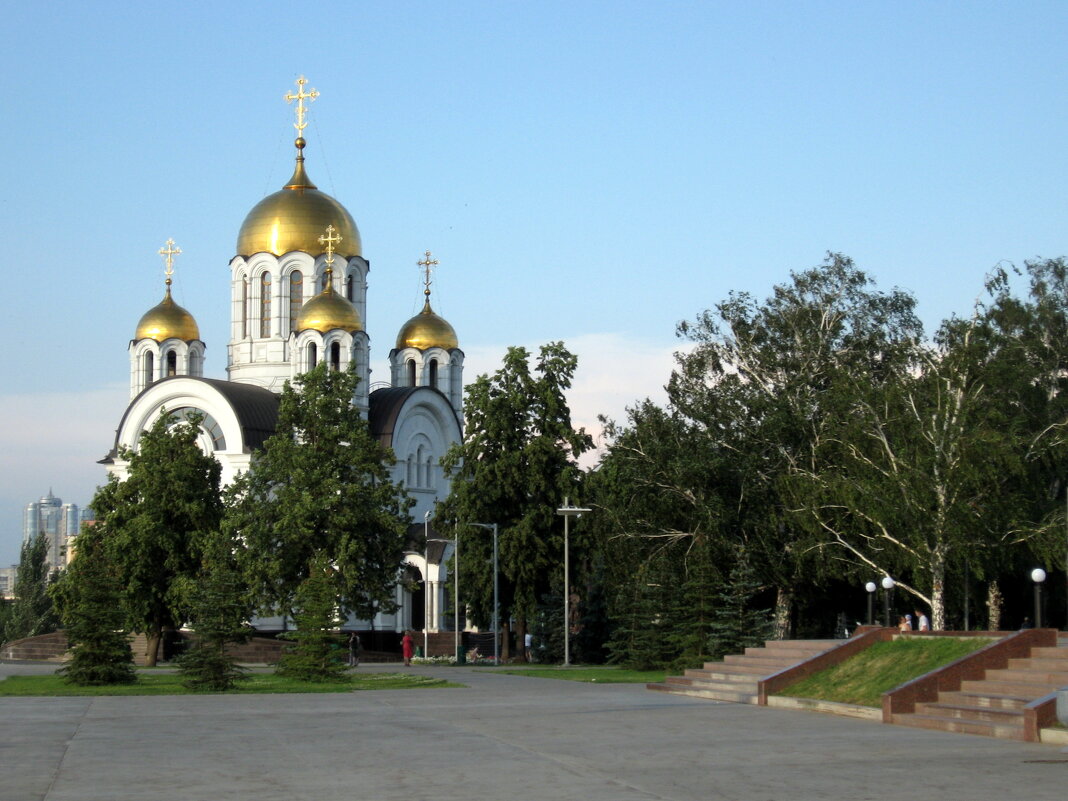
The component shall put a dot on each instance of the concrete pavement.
(502, 737)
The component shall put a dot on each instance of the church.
(298, 298)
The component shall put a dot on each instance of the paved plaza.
(501, 737)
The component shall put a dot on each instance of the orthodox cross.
(332, 238)
(168, 252)
(300, 97)
(426, 262)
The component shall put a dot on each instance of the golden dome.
(327, 311)
(167, 320)
(294, 218)
(427, 330)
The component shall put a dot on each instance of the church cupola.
(427, 353)
(167, 339)
(279, 275)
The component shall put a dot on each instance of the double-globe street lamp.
(568, 511)
(496, 593)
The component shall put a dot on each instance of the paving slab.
(500, 737)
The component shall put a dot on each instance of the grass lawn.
(171, 684)
(865, 677)
(599, 674)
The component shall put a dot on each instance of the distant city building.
(57, 520)
(7, 582)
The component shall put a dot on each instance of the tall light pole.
(1038, 575)
(568, 511)
(496, 594)
(426, 583)
(870, 587)
(888, 584)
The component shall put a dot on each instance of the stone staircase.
(994, 705)
(735, 678)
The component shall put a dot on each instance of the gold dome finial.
(426, 263)
(329, 241)
(168, 252)
(300, 97)
(329, 310)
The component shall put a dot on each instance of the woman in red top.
(408, 647)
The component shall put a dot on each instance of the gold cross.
(300, 97)
(168, 252)
(426, 262)
(330, 240)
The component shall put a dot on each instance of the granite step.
(1011, 717)
(983, 728)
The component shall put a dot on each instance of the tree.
(315, 655)
(514, 467)
(32, 611)
(320, 487)
(219, 610)
(88, 597)
(156, 522)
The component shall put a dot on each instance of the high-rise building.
(58, 521)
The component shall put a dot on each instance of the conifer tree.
(88, 598)
(315, 655)
(735, 624)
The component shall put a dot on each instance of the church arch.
(172, 363)
(265, 304)
(149, 368)
(411, 372)
(296, 297)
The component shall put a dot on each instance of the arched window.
(149, 366)
(244, 307)
(313, 355)
(433, 372)
(296, 297)
(411, 372)
(172, 363)
(335, 356)
(322, 282)
(265, 305)
(194, 363)
(348, 289)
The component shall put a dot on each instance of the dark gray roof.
(384, 407)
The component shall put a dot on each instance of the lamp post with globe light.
(870, 587)
(1038, 575)
(888, 584)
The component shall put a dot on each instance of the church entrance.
(417, 596)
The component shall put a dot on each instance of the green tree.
(156, 522)
(315, 655)
(736, 624)
(88, 597)
(514, 467)
(219, 609)
(321, 486)
(32, 612)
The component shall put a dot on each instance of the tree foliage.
(32, 612)
(315, 655)
(321, 486)
(514, 467)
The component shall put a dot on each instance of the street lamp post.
(568, 511)
(456, 594)
(870, 587)
(496, 594)
(426, 583)
(888, 584)
(1038, 575)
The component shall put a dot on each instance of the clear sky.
(586, 171)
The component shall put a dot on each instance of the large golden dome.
(329, 310)
(167, 320)
(294, 218)
(427, 330)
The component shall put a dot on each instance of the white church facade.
(298, 298)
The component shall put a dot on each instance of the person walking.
(354, 649)
(922, 623)
(407, 648)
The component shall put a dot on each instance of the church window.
(322, 282)
(149, 365)
(313, 355)
(172, 363)
(296, 297)
(348, 289)
(194, 363)
(433, 372)
(411, 372)
(244, 307)
(265, 305)
(335, 356)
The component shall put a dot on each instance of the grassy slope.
(171, 684)
(865, 677)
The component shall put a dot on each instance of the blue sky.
(586, 171)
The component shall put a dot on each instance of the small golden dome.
(327, 311)
(427, 330)
(294, 217)
(166, 321)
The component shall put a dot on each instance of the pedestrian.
(354, 649)
(908, 623)
(902, 624)
(922, 623)
(407, 648)
(528, 646)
